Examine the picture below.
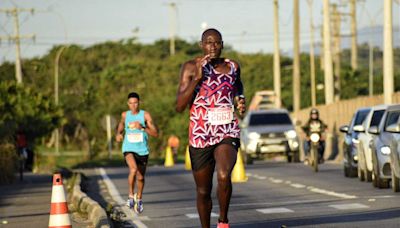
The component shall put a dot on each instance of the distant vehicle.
(269, 132)
(350, 143)
(262, 100)
(381, 147)
(393, 127)
(314, 148)
(365, 166)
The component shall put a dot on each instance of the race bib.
(135, 137)
(220, 116)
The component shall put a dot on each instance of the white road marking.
(258, 203)
(259, 177)
(296, 185)
(310, 188)
(117, 198)
(275, 210)
(349, 206)
(195, 215)
(331, 193)
(276, 181)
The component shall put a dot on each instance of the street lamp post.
(56, 99)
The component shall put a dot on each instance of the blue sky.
(247, 25)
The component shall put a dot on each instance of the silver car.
(380, 148)
(392, 128)
(267, 133)
(365, 166)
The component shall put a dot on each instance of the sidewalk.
(27, 203)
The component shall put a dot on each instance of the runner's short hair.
(210, 30)
(133, 95)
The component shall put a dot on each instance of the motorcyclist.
(314, 124)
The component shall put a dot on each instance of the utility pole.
(371, 69)
(172, 27)
(296, 57)
(387, 52)
(354, 64)
(56, 98)
(321, 55)
(372, 23)
(312, 60)
(16, 38)
(277, 61)
(337, 50)
(329, 93)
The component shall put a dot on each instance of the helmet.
(314, 111)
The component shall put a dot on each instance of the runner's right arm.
(190, 76)
(120, 128)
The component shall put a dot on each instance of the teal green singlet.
(135, 140)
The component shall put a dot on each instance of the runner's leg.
(140, 180)
(225, 157)
(130, 160)
(203, 179)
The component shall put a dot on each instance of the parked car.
(395, 157)
(267, 133)
(381, 147)
(350, 157)
(393, 127)
(365, 167)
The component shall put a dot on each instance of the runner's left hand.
(240, 105)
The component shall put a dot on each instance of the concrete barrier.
(83, 203)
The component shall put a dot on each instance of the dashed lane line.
(349, 206)
(196, 215)
(275, 210)
(331, 193)
(298, 185)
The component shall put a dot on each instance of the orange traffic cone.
(59, 216)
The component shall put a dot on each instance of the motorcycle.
(315, 138)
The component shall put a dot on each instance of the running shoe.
(130, 203)
(223, 225)
(138, 206)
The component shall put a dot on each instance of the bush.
(7, 168)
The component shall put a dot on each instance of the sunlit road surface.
(276, 194)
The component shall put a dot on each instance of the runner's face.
(212, 45)
(133, 104)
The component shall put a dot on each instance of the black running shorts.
(203, 156)
(141, 160)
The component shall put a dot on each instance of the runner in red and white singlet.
(212, 115)
(211, 87)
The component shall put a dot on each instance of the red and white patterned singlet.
(212, 116)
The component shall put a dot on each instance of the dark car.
(350, 142)
(268, 133)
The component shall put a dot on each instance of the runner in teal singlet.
(137, 125)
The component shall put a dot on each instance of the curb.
(83, 203)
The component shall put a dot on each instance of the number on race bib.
(135, 137)
(220, 116)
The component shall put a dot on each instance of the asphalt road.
(276, 194)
